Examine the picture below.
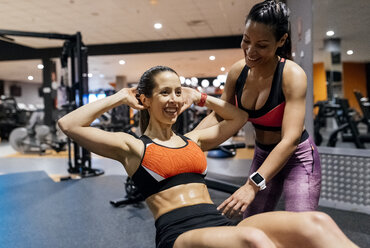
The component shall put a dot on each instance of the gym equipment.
(326, 110)
(134, 197)
(11, 116)
(36, 137)
(347, 126)
(75, 67)
(364, 104)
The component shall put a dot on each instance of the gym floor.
(38, 210)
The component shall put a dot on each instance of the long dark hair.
(146, 86)
(275, 15)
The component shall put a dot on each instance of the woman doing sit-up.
(169, 170)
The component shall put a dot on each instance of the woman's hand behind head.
(189, 96)
(129, 97)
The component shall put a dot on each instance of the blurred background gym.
(58, 55)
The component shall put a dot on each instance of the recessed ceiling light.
(222, 69)
(40, 66)
(90, 75)
(30, 78)
(182, 79)
(350, 52)
(330, 33)
(158, 26)
(122, 62)
(216, 82)
(212, 57)
(205, 83)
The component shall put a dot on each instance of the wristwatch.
(258, 180)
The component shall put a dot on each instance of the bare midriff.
(268, 137)
(176, 197)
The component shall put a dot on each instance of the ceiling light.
(350, 52)
(221, 78)
(222, 69)
(212, 57)
(182, 79)
(40, 66)
(187, 81)
(122, 62)
(194, 81)
(216, 82)
(158, 26)
(30, 78)
(90, 75)
(330, 33)
(205, 83)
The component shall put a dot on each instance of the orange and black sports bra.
(164, 167)
(270, 116)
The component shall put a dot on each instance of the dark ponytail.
(146, 86)
(275, 15)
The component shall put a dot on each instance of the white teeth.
(171, 110)
(251, 59)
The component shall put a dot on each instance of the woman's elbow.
(63, 125)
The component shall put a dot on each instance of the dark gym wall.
(1, 87)
(301, 23)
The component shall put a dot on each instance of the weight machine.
(75, 68)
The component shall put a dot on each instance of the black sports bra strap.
(241, 80)
(277, 85)
(146, 140)
(182, 136)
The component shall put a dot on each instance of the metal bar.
(37, 34)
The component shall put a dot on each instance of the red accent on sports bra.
(168, 162)
(273, 118)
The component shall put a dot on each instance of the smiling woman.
(169, 169)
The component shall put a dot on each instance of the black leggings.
(172, 224)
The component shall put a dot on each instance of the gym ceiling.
(192, 30)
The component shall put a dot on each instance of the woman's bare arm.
(76, 125)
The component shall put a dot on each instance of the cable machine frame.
(74, 49)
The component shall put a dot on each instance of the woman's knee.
(254, 238)
(315, 224)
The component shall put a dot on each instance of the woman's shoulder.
(292, 68)
(235, 70)
(294, 77)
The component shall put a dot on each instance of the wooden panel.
(319, 84)
(354, 78)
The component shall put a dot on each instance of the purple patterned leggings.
(299, 181)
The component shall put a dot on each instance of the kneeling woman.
(169, 170)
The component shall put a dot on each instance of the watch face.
(257, 178)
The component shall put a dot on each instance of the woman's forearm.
(210, 120)
(222, 110)
(277, 159)
(85, 115)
